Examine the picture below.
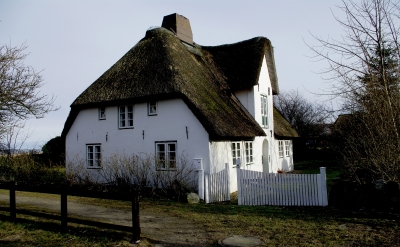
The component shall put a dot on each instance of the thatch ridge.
(241, 62)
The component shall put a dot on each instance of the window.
(93, 157)
(166, 155)
(102, 113)
(235, 151)
(287, 148)
(280, 149)
(249, 152)
(126, 116)
(152, 108)
(264, 111)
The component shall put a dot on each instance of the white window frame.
(264, 111)
(93, 156)
(166, 158)
(102, 113)
(125, 117)
(236, 151)
(287, 148)
(152, 108)
(281, 149)
(248, 146)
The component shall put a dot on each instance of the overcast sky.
(74, 42)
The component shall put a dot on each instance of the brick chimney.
(180, 25)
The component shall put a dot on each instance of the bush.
(25, 168)
(352, 195)
(118, 173)
(139, 172)
(53, 151)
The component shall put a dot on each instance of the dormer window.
(152, 106)
(102, 113)
(264, 111)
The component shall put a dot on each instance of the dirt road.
(163, 229)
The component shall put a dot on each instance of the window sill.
(124, 128)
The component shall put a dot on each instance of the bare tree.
(364, 69)
(308, 118)
(14, 138)
(20, 98)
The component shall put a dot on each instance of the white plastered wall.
(251, 100)
(170, 124)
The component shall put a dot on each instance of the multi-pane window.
(287, 148)
(264, 111)
(152, 108)
(249, 152)
(281, 149)
(93, 155)
(102, 113)
(235, 152)
(166, 155)
(126, 116)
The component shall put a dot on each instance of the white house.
(169, 95)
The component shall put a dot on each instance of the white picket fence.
(217, 186)
(258, 188)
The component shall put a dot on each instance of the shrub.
(137, 171)
(352, 195)
(25, 168)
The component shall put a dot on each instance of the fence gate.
(258, 188)
(217, 186)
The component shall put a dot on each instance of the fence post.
(322, 185)
(64, 210)
(200, 176)
(228, 182)
(135, 218)
(239, 184)
(13, 208)
(206, 188)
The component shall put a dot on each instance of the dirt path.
(164, 230)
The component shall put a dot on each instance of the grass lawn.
(32, 231)
(276, 226)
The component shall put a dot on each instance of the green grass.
(32, 231)
(290, 226)
(276, 226)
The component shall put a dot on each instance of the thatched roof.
(161, 67)
(282, 128)
(241, 62)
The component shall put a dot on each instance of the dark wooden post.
(64, 210)
(13, 208)
(135, 218)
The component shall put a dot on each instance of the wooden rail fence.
(63, 217)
